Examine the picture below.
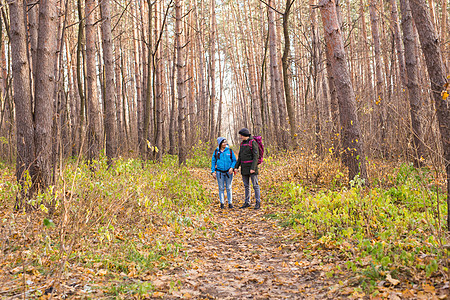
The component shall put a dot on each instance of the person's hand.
(214, 174)
(252, 171)
(230, 171)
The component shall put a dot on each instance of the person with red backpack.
(250, 155)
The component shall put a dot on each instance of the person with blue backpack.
(222, 167)
(251, 152)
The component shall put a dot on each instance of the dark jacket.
(248, 157)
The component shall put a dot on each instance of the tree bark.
(432, 51)
(109, 97)
(22, 99)
(285, 62)
(91, 76)
(380, 102)
(180, 85)
(273, 71)
(45, 91)
(81, 79)
(212, 71)
(142, 145)
(353, 154)
(398, 43)
(412, 83)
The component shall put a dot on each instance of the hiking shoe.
(246, 204)
(222, 206)
(258, 205)
(230, 205)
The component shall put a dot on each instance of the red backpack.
(258, 140)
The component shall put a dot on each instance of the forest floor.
(157, 232)
(250, 256)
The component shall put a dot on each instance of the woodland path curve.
(249, 257)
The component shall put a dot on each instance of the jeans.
(225, 180)
(246, 180)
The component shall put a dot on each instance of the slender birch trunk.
(284, 59)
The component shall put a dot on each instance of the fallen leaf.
(392, 280)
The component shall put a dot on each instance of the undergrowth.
(395, 228)
(126, 221)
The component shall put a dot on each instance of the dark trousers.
(246, 180)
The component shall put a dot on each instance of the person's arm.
(238, 163)
(255, 153)
(213, 163)
(233, 159)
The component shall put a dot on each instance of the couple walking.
(224, 164)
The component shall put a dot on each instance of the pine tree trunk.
(119, 96)
(109, 97)
(273, 71)
(91, 75)
(315, 59)
(380, 102)
(436, 71)
(212, 71)
(22, 97)
(201, 73)
(284, 59)
(151, 85)
(398, 43)
(142, 145)
(80, 78)
(173, 105)
(180, 85)
(353, 154)
(45, 91)
(33, 21)
(415, 102)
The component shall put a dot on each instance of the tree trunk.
(380, 102)
(45, 91)
(212, 71)
(91, 75)
(119, 96)
(353, 154)
(398, 43)
(415, 102)
(109, 97)
(173, 105)
(180, 85)
(273, 71)
(142, 145)
(22, 98)
(315, 59)
(33, 19)
(284, 59)
(81, 78)
(201, 73)
(436, 71)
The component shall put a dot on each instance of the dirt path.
(249, 256)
